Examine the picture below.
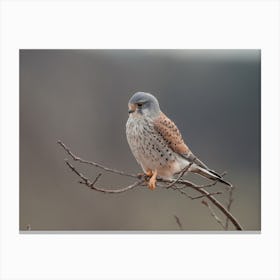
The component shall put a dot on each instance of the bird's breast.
(150, 149)
(139, 135)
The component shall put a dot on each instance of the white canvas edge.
(156, 24)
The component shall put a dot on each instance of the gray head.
(143, 103)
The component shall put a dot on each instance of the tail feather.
(210, 174)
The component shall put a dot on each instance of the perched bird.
(157, 144)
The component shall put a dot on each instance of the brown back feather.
(169, 131)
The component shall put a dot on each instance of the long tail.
(210, 174)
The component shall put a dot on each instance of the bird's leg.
(147, 173)
(153, 180)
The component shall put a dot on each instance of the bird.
(157, 144)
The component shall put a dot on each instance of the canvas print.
(140, 140)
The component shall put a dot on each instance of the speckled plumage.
(156, 142)
(150, 149)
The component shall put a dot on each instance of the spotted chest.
(149, 148)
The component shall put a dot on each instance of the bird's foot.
(150, 177)
(153, 181)
(148, 174)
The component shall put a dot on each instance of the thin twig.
(76, 158)
(204, 195)
(230, 200)
(221, 207)
(181, 174)
(85, 179)
(178, 222)
(181, 191)
(213, 214)
(96, 179)
(120, 190)
(193, 197)
(213, 200)
(91, 185)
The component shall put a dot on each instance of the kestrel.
(157, 144)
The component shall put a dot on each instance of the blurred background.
(81, 96)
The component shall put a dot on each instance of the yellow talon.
(153, 180)
(149, 173)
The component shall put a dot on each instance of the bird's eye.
(139, 105)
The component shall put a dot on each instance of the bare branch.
(230, 200)
(75, 158)
(204, 195)
(91, 185)
(85, 180)
(221, 207)
(178, 222)
(96, 179)
(182, 192)
(178, 184)
(181, 174)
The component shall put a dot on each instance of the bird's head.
(143, 104)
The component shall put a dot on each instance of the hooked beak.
(131, 108)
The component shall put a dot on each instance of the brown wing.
(169, 131)
(171, 134)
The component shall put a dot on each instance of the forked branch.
(178, 184)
